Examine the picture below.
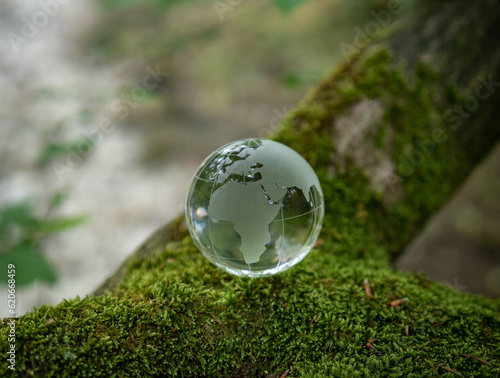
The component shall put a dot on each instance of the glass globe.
(255, 208)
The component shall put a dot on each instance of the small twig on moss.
(369, 344)
(319, 243)
(398, 302)
(368, 290)
(477, 358)
(443, 366)
(285, 373)
(313, 319)
(406, 330)
(7, 319)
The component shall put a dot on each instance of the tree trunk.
(391, 133)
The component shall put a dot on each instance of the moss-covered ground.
(175, 314)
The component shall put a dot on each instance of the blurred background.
(108, 107)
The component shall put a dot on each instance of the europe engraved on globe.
(255, 207)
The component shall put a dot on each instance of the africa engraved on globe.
(255, 208)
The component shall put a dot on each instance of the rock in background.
(461, 244)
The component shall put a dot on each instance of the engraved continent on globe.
(254, 208)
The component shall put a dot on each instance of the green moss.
(413, 111)
(176, 314)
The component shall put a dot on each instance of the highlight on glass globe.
(255, 208)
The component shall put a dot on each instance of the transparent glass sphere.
(255, 208)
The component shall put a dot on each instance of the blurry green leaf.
(291, 80)
(19, 214)
(51, 151)
(21, 232)
(164, 4)
(30, 265)
(110, 4)
(57, 199)
(286, 6)
(60, 224)
(54, 150)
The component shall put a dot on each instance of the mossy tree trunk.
(391, 133)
